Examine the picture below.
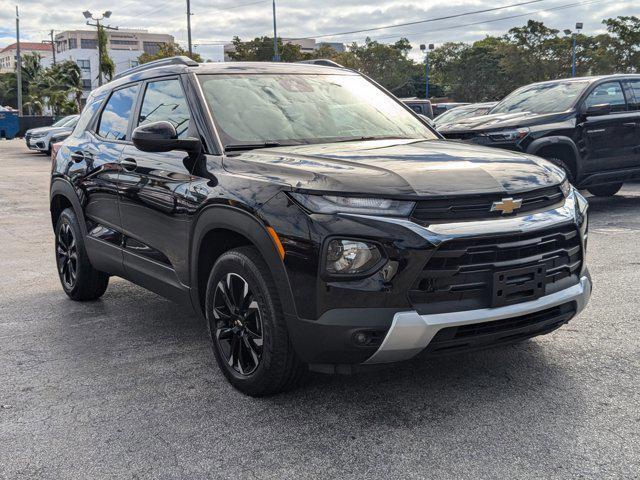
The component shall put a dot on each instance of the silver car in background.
(40, 139)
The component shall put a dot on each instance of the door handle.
(629, 124)
(129, 164)
(77, 156)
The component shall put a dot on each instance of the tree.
(260, 49)
(626, 44)
(168, 50)
(107, 66)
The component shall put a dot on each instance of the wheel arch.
(219, 228)
(62, 195)
(559, 147)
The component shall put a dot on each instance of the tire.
(563, 166)
(80, 281)
(608, 190)
(263, 361)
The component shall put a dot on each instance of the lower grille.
(486, 334)
(461, 273)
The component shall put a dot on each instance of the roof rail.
(163, 62)
(322, 61)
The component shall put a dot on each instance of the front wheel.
(608, 190)
(247, 326)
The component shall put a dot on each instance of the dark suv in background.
(590, 127)
(312, 219)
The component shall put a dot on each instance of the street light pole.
(189, 27)
(423, 47)
(276, 55)
(88, 15)
(574, 37)
(18, 64)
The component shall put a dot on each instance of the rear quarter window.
(88, 113)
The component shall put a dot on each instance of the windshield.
(457, 113)
(254, 110)
(542, 98)
(64, 120)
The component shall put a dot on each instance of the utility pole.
(18, 63)
(88, 15)
(53, 46)
(276, 54)
(189, 27)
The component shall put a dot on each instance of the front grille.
(478, 207)
(460, 274)
(485, 334)
(459, 135)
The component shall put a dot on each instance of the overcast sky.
(219, 20)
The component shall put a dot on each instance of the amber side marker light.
(277, 241)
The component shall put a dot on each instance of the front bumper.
(411, 333)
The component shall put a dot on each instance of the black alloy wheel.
(67, 256)
(238, 324)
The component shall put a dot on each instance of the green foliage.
(168, 50)
(107, 66)
(260, 49)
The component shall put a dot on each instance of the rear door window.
(114, 120)
(634, 89)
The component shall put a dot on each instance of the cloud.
(220, 20)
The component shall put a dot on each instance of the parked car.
(466, 111)
(312, 219)
(419, 105)
(40, 138)
(589, 127)
(440, 108)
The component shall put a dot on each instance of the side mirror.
(426, 120)
(162, 137)
(597, 110)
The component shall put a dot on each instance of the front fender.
(243, 223)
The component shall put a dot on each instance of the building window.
(151, 48)
(73, 43)
(86, 84)
(89, 43)
(124, 42)
(84, 65)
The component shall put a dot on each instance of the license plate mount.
(518, 285)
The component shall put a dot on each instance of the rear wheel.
(247, 326)
(608, 190)
(79, 279)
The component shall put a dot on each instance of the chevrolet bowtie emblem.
(506, 205)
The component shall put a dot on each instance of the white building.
(124, 47)
(8, 54)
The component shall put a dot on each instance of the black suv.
(590, 127)
(313, 219)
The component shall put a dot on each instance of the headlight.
(366, 206)
(507, 135)
(565, 187)
(351, 257)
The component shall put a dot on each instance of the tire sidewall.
(68, 217)
(235, 262)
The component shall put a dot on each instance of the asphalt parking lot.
(127, 387)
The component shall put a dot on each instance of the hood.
(397, 168)
(502, 120)
(49, 130)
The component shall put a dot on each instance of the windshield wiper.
(250, 146)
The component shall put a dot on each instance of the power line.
(406, 24)
(560, 7)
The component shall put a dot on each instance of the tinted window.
(115, 116)
(542, 98)
(634, 87)
(609, 93)
(164, 100)
(89, 111)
